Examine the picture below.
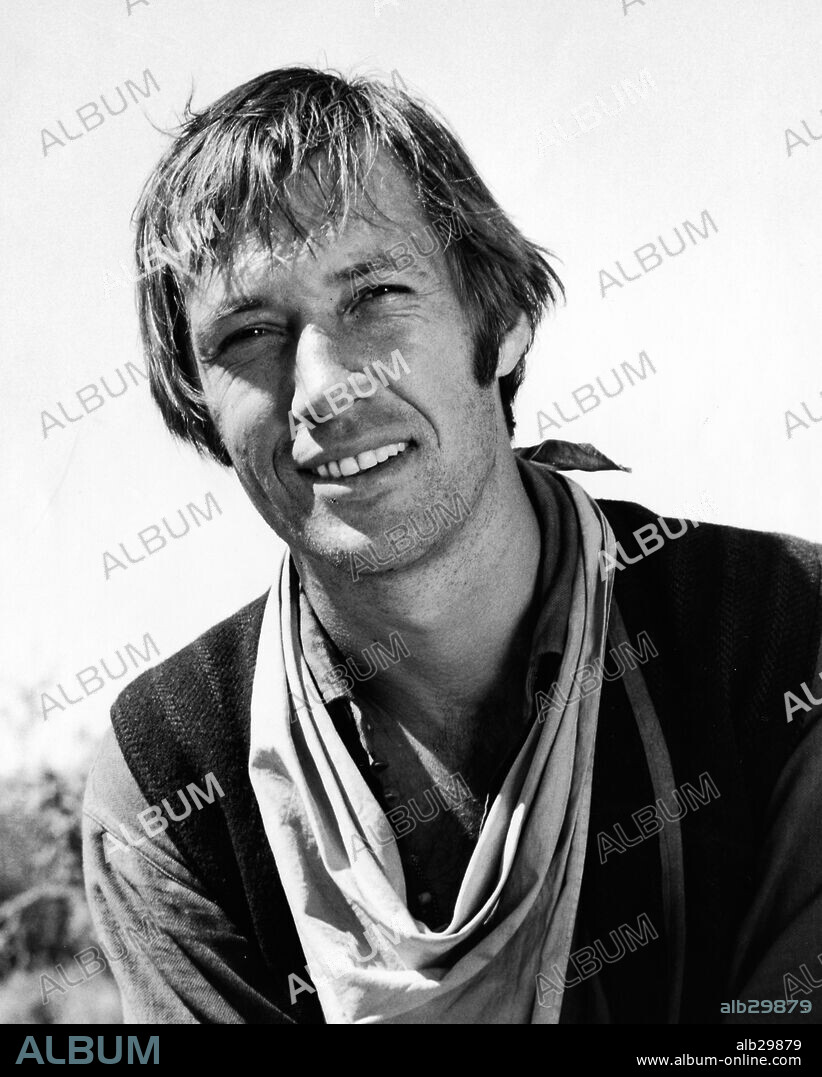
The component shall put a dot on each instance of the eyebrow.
(377, 263)
(227, 309)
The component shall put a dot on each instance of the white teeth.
(352, 465)
(367, 459)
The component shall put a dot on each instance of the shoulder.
(727, 599)
(736, 618)
(727, 573)
(189, 715)
(638, 523)
(218, 663)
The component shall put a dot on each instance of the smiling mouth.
(364, 461)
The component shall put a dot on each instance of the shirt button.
(391, 795)
(378, 766)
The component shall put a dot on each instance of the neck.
(460, 609)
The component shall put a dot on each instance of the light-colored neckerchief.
(371, 961)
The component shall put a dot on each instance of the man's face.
(279, 335)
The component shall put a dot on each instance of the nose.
(330, 375)
(323, 367)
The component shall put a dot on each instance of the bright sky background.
(732, 325)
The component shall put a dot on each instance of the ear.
(513, 345)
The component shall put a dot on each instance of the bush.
(44, 917)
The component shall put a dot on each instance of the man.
(488, 750)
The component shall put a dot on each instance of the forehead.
(383, 212)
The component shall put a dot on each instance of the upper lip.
(311, 462)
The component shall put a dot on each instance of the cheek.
(241, 394)
(447, 376)
(248, 422)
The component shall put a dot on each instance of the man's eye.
(378, 291)
(251, 332)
